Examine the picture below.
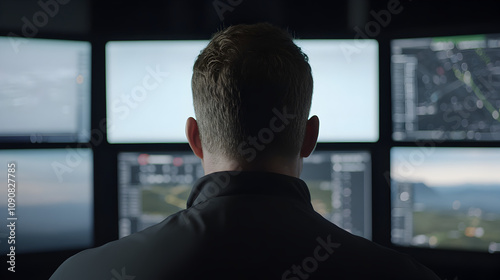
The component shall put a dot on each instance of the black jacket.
(243, 225)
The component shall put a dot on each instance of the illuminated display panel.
(149, 96)
(446, 88)
(153, 186)
(148, 90)
(44, 90)
(53, 200)
(446, 198)
(346, 88)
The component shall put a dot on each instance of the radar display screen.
(446, 88)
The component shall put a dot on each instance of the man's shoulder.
(134, 254)
(186, 238)
(97, 262)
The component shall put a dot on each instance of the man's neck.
(287, 166)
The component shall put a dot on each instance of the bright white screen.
(345, 95)
(153, 108)
(44, 90)
(148, 86)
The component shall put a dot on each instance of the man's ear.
(310, 137)
(193, 136)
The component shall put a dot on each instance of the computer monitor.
(346, 88)
(446, 88)
(52, 200)
(149, 96)
(44, 90)
(148, 89)
(153, 186)
(340, 187)
(446, 198)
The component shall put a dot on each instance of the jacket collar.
(229, 183)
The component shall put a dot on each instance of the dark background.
(101, 21)
(191, 17)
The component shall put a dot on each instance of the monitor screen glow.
(446, 88)
(153, 186)
(53, 203)
(148, 90)
(346, 88)
(446, 198)
(44, 90)
(149, 96)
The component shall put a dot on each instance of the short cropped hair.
(252, 90)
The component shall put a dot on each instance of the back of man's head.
(252, 89)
